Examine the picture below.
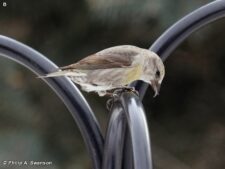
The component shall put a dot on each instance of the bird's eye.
(157, 74)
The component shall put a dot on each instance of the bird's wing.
(115, 57)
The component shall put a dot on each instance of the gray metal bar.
(128, 160)
(114, 141)
(138, 129)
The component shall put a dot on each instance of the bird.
(114, 68)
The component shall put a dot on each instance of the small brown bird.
(114, 68)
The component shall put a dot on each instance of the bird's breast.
(133, 74)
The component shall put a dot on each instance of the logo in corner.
(4, 4)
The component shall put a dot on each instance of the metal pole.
(114, 141)
(66, 91)
(128, 160)
(138, 128)
(129, 107)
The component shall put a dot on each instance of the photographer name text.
(28, 163)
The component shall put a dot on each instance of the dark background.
(187, 119)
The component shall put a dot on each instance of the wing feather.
(115, 57)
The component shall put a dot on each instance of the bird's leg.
(113, 97)
(109, 104)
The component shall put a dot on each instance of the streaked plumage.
(115, 67)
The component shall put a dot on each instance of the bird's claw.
(111, 101)
(109, 104)
(130, 89)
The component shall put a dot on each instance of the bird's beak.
(156, 87)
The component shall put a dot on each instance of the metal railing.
(127, 141)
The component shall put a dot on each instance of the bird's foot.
(116, 94)
(132, 89)
(126, 89)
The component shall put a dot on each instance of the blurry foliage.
(187, 119)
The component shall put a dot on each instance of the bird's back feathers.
(115, 57)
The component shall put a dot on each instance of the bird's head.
(153, 71)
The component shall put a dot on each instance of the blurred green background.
(187, 119)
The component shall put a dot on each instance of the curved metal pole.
(118, 151)
(114, 141)
(138, 128)
(128, 110)
(127, 151)
(179, 31)
(66, 91)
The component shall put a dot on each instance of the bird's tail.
(62, 73)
